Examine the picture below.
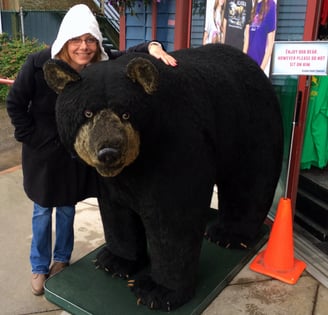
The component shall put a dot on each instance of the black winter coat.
(51, 176)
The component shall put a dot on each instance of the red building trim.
(123, 26)
(182, 24)
(122, 32)
(154, 21)
(311, 25)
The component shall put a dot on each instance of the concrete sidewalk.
(15, 220)
(249, 293)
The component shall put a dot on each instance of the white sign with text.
(300, 58)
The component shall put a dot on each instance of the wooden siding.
(197, 29)
(44, 25)
(291, 18)
(41, 25)
(290, 27)
(138, 26)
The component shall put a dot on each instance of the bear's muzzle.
(107, 142)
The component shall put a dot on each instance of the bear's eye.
(88, 113)
(126, 116)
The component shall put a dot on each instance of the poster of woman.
(237, 15)
(262, 31)
(249, 25)
(213, 32)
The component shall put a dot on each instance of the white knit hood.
(79, 20)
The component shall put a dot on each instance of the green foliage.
(13, 54)
(129, 5)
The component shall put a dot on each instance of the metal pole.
(298, 102)
(102, 7)
(22, 24)
(0, 22)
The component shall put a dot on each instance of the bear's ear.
(58, 73)
(144, 72)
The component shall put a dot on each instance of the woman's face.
(81, 50)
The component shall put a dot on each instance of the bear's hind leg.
(242, 211)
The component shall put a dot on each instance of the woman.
(213, 32)
(262, 31)
(52, 178)
(236, 23)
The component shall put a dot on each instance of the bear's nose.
(108, 155)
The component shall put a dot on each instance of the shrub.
(13, 54)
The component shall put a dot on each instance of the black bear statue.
(161, 137)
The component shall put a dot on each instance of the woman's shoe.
(57, 267)
(37, 283)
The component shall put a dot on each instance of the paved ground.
(249, 293)
(15, 222)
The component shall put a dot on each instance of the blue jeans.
(41, 246)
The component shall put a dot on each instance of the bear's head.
(97, 114)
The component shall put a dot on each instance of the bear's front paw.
(158, 297)
(118, 266)
(225, 239)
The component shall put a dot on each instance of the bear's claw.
(158, 297)
(221, 240)
(118, 266)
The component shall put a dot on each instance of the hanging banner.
(300, 58)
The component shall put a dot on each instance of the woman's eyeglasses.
(77, 41)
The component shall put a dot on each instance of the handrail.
(6, 81)
(110, 13)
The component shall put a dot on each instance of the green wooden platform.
(82, 289)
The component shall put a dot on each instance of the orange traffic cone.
(278, 261)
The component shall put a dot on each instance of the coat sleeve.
(18, 101)
(142, 48)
